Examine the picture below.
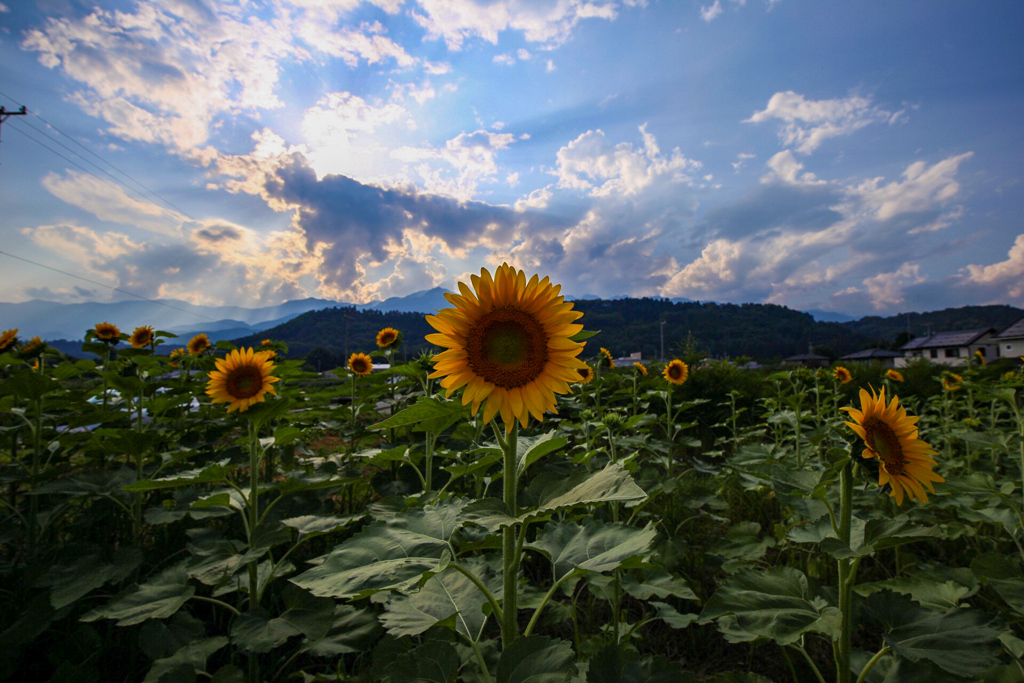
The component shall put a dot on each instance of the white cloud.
(886, 290)
(1007, 275)
(550, 66)
(109, 202)
(741, 159)
(710, 12)
(923, 188)
(505, 58)
(537, 199)
(808, 123)
(785, 168)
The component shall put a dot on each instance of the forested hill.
(762, 331)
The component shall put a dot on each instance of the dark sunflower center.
(881, 438)
(244, 382)
(359, 365)
(508, 348)
(675, 372)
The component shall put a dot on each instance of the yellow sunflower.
(676, 372)
(894, 375)
(198, 344)
(607, 356)
(508, 341)
(388, 337)
(360, 364)
(241, 379)
(981, 357)
(8, 339)
(842, 374)
(640, 368)
(33, 347)
(586, 374)
(266, 342)
(890, 435)
(952, 382)
(141, 337)
(175, 356)
(107, 332)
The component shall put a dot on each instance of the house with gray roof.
(883, 356)
(950, 348)
(1010, 342)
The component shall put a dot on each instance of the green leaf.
(583, 335)
(215, 472)
(70, 582)
(959, 642)
(866, 538)
(449, 598)
(928, 589)
(158, 598)
(593, 546)
(612, 484)
(741, 545)
(193, 656)
(775, 604)
(657, 585)
(315, 525)
(428, 663)
(439, 414)
(614, 664)
(352, 630)
(388, 554)
(667, 613)
(536, 659)
(531, 449)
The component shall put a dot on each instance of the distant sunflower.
(107, 332)
(388, 337)
(175, 356)
(841, 374)
(198, 344)
(33, 347)
(607, 356)
(266, 342)
(891, 436)
(141, 337)
(8, 339)
(509, 342)
(676, 372)
(641, 368)
(952, 382)
(586, 374)
(360, 364)
(269, 353)
(241, 379)
(981, 357)
(894, 375)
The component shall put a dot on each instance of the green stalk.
(509, 556)
(846, 576)
(252, 502)
(352, 409)
(37, 454)
(429, 462)
(871, 663)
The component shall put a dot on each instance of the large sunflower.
(894, 375)
(842, 374)
(360, 364)
(198, 344)
(508, 341)
(8, 339)
(107, 332)
(890, 435)
(388, 337)
(241, 379)
(586, 374)
(141, 337)
(676, 372)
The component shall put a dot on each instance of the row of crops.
(505, 511)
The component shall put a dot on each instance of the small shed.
(884, 356)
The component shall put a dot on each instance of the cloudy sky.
(861, 157)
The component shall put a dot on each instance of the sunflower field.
(510, 508)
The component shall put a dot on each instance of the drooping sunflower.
(508, 342)
(586, 374)
(952, 382)
(266, 342)
(894, 375)
(32, 348)
(607, 357)
(241, 379)
(141, 337)
(8, 339)
(107, 332)
(360, 364)
(841, 374)
(388, 337)
(641, 368)
(980, 357)
(891, 436)
(198, 344)
(676, 372)
(175, 357)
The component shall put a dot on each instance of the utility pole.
(4, 114)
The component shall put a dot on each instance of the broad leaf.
(657, 586)
(352, 630)
(671, 616)
(613, 484)
(315, 525)
(593, 546)
(536, 659)
(449, 598)
(193, 656)
(158, 598)
(928, 588)
(433, 414)
(428, 663)
(69, 583)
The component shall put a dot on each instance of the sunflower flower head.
(952, 382)
(890, 435)
(980, 357)
(241, 379)
(106, 332)
(841, 374)
(894, 375)
(266, 342)
(33, 348)
(676, 372)
(198, 344)
(586, 374)
(388, 337)
(607, 357)
(508, 341)
(141, 337)
(360, 364)
(641, 368)
(8, 339)
(175, 357)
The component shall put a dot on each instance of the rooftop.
(946, 339)
(868, 354)
(1014, 331)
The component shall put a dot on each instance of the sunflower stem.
(252, 502)
(871, 663)
(510, 559)
(846, 575)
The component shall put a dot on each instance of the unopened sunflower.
(241, 379)
(952, 382)
(266, 342)
(586, 374)
(175, 356)
(8, 339)
(676, 372)
(641, 368)
(607, 356)
(508, 341)
(107, 332)
(842, 374)
(141, 337)
(980, 357)
(891, 436)
(894, 375)
(388, 337)
(198, 344)
(360, 364)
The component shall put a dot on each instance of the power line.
(100, 284)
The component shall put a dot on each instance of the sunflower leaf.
(448, 598)
(156, 599)
(428, 663)
(593, 546)
(536, 659)
(612, 484)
